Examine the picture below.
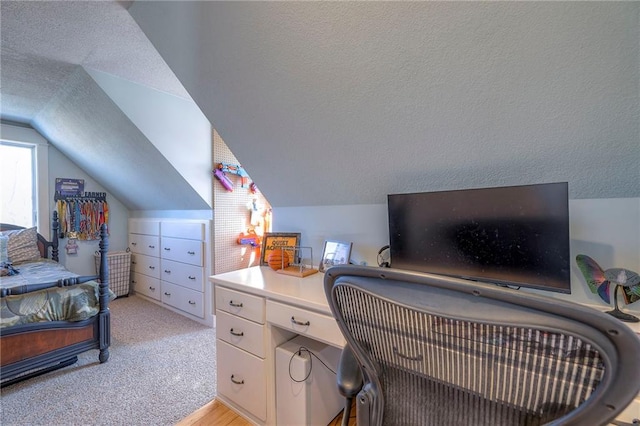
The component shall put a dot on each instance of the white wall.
(83, 262)
(607, 230)
(174, 125)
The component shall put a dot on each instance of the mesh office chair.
(443, 351)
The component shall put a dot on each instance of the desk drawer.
(242, 378)
(316, 326)
(242, 304)
(240, 332)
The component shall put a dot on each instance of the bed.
(48, 315)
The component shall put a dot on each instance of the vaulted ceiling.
(48, 51)
(344, 102)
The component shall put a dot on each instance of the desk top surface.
(307, 292)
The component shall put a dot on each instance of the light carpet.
(162, 368)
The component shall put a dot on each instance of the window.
(24, 178)
(18, 192)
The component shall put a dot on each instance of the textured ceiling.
(47, 48)
(344, 102)
(329, 103)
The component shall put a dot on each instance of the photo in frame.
(275, 241)
(335, 253)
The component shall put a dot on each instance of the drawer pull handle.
(152, 288)
(192, 278)
(167, 294)
(407, 357)
(237, 382)
(167, 248)
(152, 267)
(235, 333)
(167, 271)
(235, 305)
(134, 244)
(152, 246)
(133, 262)
(191, 252)
(306, 323)
(191, 302)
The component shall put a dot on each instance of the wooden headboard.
(43, 244)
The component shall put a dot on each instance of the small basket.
(119, 264)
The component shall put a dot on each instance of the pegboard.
(231, 215)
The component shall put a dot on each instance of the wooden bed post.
(55, 225)
(103, 294)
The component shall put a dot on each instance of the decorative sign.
(69, 187)
(275, 241)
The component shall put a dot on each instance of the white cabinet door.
(242, 378)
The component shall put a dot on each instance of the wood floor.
(216, 413)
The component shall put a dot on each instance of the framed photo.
(275, 241)
(335, 253)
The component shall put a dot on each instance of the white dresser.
(171, 260)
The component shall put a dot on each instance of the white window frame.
(21, 135)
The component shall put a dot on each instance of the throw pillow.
(23, 246)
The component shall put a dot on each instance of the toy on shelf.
(599, 282)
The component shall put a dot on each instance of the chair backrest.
(443, 351)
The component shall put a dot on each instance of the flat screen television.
(514, 236)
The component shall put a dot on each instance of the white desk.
(258, 309)
(273, 307)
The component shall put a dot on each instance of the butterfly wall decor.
(601, 281)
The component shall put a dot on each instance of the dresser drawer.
(240, 332)
(147, 265)
(242, 304)
(184, 299)
(187, 230)
(146, 227)
(242, 378)
(145, 244)
(189, 276)
(146, 285)
(185, 251)
(315, 325)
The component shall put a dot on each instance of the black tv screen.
(515, 236)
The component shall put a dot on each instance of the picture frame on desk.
(275, 241)
(335, 252)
